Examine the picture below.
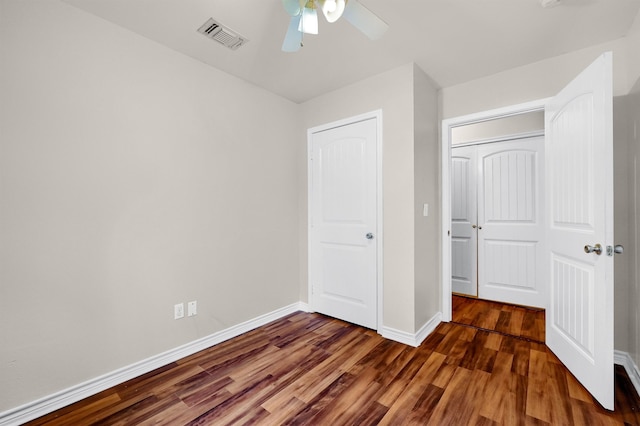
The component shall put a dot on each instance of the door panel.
(343, 210)
(511, 233)
(579, 147)
(464, 242)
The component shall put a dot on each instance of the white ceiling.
(453, 41)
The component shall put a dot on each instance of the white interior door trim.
(445, 165)
(377, 115)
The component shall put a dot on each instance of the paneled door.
(343, 222)
(497, 241)
(464, 221)
(579, 194)
(510, 222)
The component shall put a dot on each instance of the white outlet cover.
(192, 308)
(178, 311)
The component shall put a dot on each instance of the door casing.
(377, 115)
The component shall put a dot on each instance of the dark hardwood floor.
(518, 321)
(308, 369)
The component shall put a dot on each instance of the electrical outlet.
(192, 308)
(178, 311)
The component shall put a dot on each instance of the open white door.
(343, 240)
(579, 200)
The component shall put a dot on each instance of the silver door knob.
(618, 249)
(369, 236)
(597, 249)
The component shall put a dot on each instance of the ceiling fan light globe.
(329, 6)
(309, 21)
(333, 9)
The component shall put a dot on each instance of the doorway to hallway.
(497, 221)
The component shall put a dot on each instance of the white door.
(464, 236)
(510, 222)
(579, 196)
(343, 222)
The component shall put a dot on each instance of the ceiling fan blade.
(293, 7)
(293, 38)
(365, 20)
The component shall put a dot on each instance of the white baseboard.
(412, 339)
(46, 405)
(304, 307)
(625, 360)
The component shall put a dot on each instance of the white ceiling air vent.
(223, 35)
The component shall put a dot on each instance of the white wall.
(632, 41)
(534, 81)
(131, 178)
(622, 207)
(393, 92)
(427, 255)
(632, 251)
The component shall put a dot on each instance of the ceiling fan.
(304, 19)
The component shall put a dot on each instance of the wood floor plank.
(371, 415)
(444, 375)
(425, 405)
(70, 415)
(319, 403)
(501, 398)
(141, 415)
(346, 408)
(505, 319)
(286, 411)
(414, 389)
(307, 369)
(386, 375)
(538, 399)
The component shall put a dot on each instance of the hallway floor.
(511, 320)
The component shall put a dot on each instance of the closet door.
(464, 238)
(510, 218)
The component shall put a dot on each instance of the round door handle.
(597, 249)
(369, 236)
(474, 226)
(618, 249)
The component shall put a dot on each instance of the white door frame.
(445, 165)
(377, 115)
